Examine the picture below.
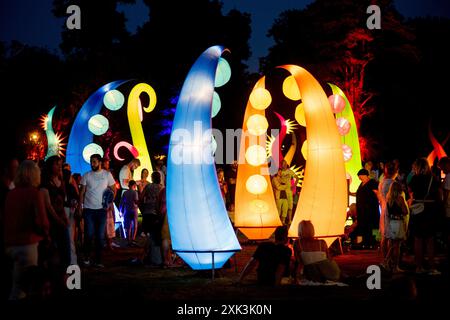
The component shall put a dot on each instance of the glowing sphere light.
(343, 126)
(300, 115)
(223, 73)
(113, 100)
(347, 151)
(337, 103)
(256, 184)
(260, 98)
(98, 124)
(255, 155)
(216, 104)
(257, 124)
(290, 89)
(91, 149)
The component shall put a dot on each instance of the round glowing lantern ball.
(255, 155)
(347, 151)
(337, 103)
(223, 73)
(90, 149)
(113, 100)
(300, 115)
(290, 88)
(343, 126)
(257, 124)
(304, 149)
(216, 104)
(98, 124)
(256, 184)
(260, 98)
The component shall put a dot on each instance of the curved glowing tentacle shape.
(54, 144)
(351, 139)
(80, 136)
(291, 152)
(198, 221)
(323, 199)
(276, 146)
(134, 120)
(432, 156)
(256, 213)
(438, 149)
(127, 145)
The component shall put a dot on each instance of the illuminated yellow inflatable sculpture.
(256, 213)
(323, 198)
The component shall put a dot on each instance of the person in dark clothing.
(367, 208)
(273, 260)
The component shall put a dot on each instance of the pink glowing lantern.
(347, 151)
(337, 103)
(343, 126)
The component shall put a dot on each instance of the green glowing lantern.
(90, 149)
(98, 124)
(223, 73)
(216, 104)
(113, 100)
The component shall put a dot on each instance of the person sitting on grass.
(312, 256)
(273, 260)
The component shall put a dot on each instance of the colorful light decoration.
(256, 213)
(337, 103)
(134, 109)
(351, 138)
(98, 124)
(323, 199)
(80, 135)
(290, 89)
(129, 147)
(90, 149)
(347, 152)
(113, 100)
(343, 126)
(432, 156)
(223, 73)
(216, 104)
(277, 155)
(55, 145)
(300, 115)
(200, 228)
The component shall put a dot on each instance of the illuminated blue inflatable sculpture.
(81, 145)
(201, 231)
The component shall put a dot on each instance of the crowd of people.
(52, 218)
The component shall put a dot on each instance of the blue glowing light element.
(80, 136)
(200, 228)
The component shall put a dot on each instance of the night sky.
(32, 22)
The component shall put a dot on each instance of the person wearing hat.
(367, 208)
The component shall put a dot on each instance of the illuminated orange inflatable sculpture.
(323, 198)
(256, 213)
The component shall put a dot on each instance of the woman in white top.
(312, 255)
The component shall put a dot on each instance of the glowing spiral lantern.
(134, 120)
(200, 229)
(323, 199)
(256, 213)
